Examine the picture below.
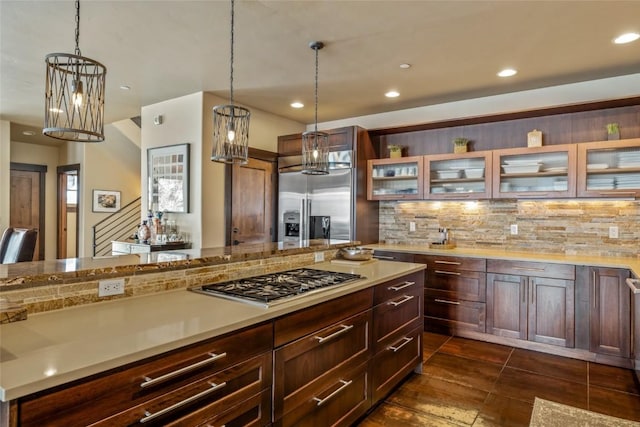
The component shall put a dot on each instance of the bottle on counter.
(143, 232)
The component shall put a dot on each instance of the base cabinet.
(534, 308)
(610, 312)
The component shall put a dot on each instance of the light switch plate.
(613, 232)
(319, 256)
(412, 226)
(514, 229)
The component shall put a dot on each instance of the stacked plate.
(594, 183)
(626, 182)
(629, 160)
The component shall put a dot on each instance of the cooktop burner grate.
(267, 288)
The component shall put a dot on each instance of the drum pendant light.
(230, 124)
(315, 145)
(74, 95)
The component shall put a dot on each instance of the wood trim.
(42, 170)
(60, 170)
(473, 120)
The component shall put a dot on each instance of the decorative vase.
(395, 154)
(460, 145)
(143, 232)
(613, 136)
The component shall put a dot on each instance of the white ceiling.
(165, 49)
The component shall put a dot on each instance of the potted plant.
(613, 131)
(460, 145)
(395, 150)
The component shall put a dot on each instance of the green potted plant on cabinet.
(613, 131)
(395, 150)
(460, 145)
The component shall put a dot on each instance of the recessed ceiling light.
(626, 38)
(28, 132)
(405, 66)
(507, 72)
(392, 94)
(125, 87)
(297, 104)
(55, 110)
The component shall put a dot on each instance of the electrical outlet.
(613, 232)
(514, 229)
(110, 287)
(319, 256)
(412, 226)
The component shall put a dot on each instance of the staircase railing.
(117, 226)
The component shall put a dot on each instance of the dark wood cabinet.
(610, 312)
(186, 386)
(339, 139)
(537, 308)
(455, 293)
(397, 332)
(393, 256)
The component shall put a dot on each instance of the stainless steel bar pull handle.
(384, 257)
(405, 285)
(447, 262)
(405, 341)
(451, 273)
(402, 301)
(344, 385)
(148, 416)
(444, 301)
(529, 268)
(344, 329)
(152, 381)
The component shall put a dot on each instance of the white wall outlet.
(319, 256)
(514, 229)
(110, 287)
(613, 232)
(412, 226)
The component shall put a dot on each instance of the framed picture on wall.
(106, 201)
(168, 178)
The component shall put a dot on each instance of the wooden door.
(610, 317)
(551, 311)
(26, 201)
(507, 305)
(252, 203)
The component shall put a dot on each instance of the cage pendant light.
(230, 124)
(315, 145)
(74, 95)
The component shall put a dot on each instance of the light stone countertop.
(56, 347)
(632, 264)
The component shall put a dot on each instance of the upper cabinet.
(395, 179)
(609, 168)
(535, 172)
(458, 176)
(339, 139)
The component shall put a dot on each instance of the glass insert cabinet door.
(168, 178)
(458, 176)
(536, 172)
(609, 169)
(394, 179)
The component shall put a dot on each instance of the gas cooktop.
(267, 289)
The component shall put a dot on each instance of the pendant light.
(74, 95)
(230, 124)
(315, 145)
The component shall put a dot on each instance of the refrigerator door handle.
(303, 219)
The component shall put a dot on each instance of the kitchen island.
(52, 349)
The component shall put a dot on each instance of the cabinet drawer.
(301, 362)
(203, 399)
(525, 268)
(336, 400)
(393, 256)
(120, 248)
(88, 401)
(307, 321)
(452, 315)
(394, 314)
(451, 263)
(395, 361)
(253, 412)
(406, 285)
(465, 285)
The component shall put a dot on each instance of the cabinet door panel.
(507, 305)
(551, 311)
(610, 312)
(392, 315)
(465, 285)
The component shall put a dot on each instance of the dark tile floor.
(472, 383)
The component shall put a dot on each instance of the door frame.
(254, 153)
(62, 208)
(42, 172)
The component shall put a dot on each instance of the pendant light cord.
(78, 28)
(316, 89)
(231, 62)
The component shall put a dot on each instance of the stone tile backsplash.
(570, 227)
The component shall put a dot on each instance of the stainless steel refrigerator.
(320, 206)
